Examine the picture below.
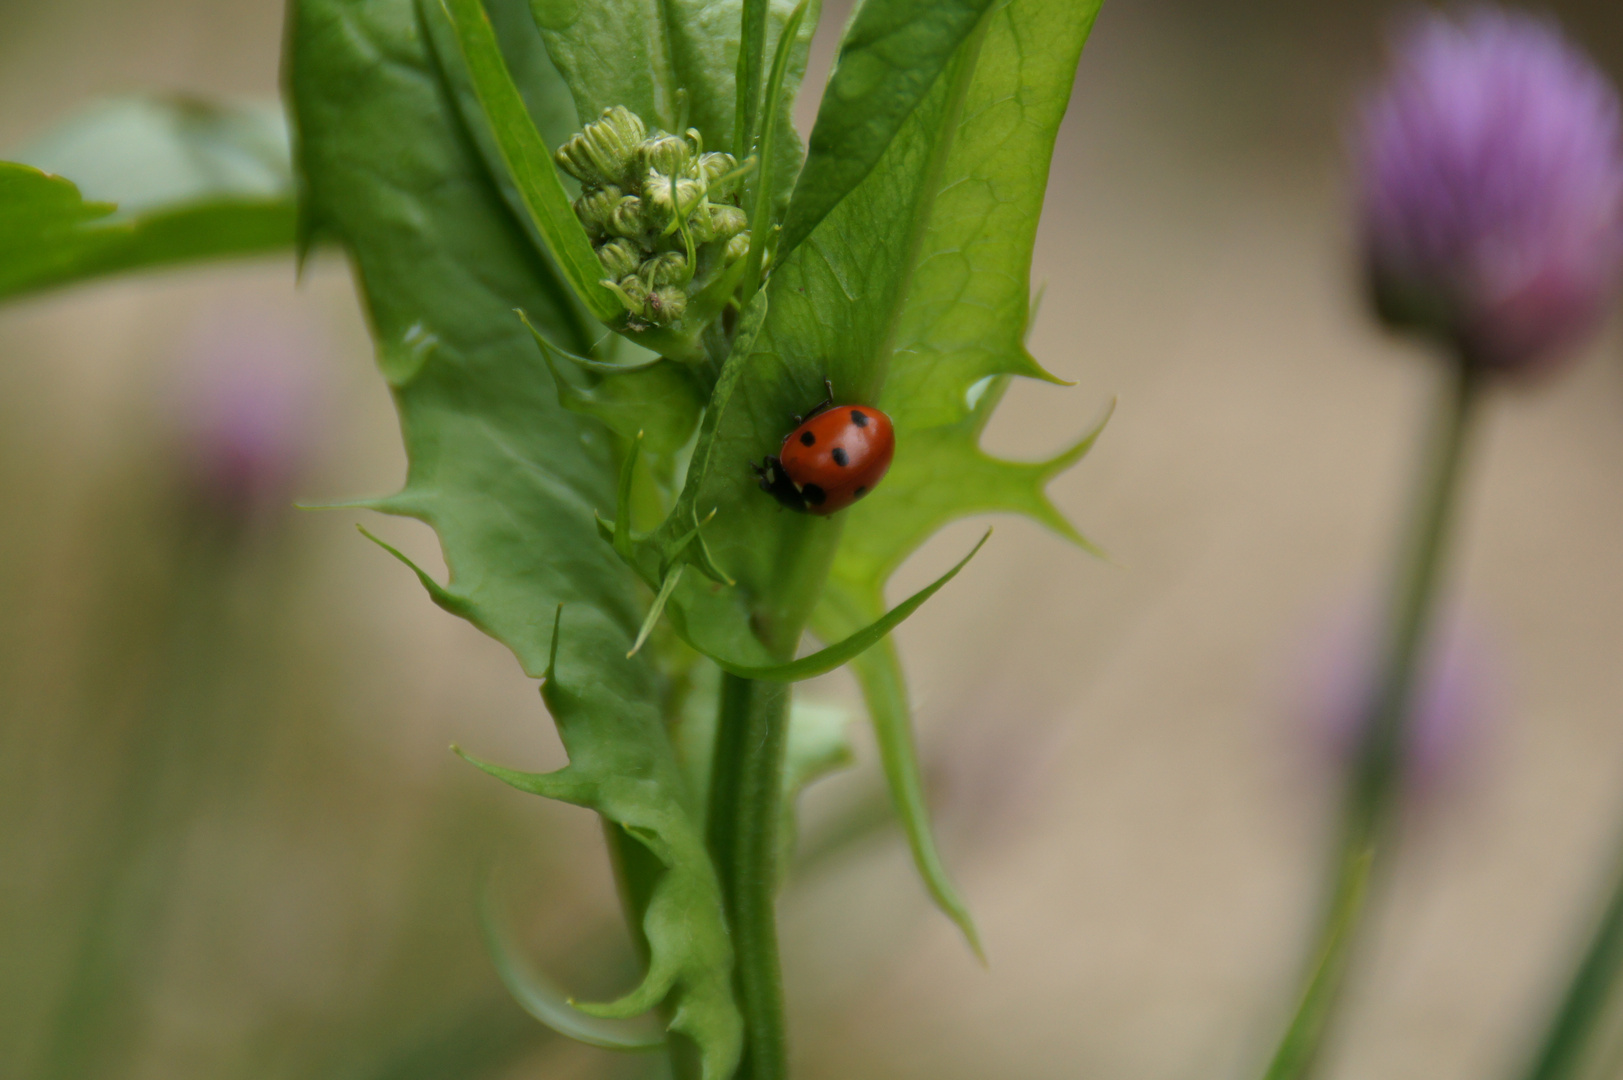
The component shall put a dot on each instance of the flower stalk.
(1375, 787)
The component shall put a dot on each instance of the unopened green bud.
(606, 152)
(710, 222)
(728, 221)
(712, 167)
(667, 305)
(594, 209)
(619, 258)
(671, 268)
(658, 194)
(700, 225)
(737, 248)
(634, 294)
(669, 155)
(627, 217)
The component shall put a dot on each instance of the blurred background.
(232, 841)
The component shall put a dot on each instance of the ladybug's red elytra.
(831, 459)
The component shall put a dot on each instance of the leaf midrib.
(963, 77)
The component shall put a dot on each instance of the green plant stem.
(1377, 774)
(1561, 1051)
(746, 795)
(761, 209)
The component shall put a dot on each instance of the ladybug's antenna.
(826, 404)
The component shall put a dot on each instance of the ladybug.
(831, 459)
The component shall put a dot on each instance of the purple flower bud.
(1490, 176)
(241, 416)
(1457, 695)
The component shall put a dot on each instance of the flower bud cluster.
(660, 212)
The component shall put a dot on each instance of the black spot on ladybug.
(814, 494)
(861, 491)
(859, 418)
(807, 438)
(839, 456)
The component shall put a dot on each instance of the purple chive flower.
(1490, 189)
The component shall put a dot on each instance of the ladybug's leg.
(828, 402)
(822, 407)
(776, 483)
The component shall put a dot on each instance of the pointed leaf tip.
(842, 652)
(538, 996)
(552, 649)
(442, 596)
(665, 589)
(1080, 449)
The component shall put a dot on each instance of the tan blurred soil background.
(1134, 809)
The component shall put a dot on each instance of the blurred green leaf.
(892, 54)
(959, 336)
(146, 152)
(508, 478)
(819, 745)
(548, 1003)
(144, 182)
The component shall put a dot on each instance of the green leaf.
(508, 478)
(613, 52)
(528, 160)
(658, 399)
(761, 213)
(969, 312)
(546, 99)
(917, 504)
(154, 182)
(884, 692)
(959, 337)
(892, 54)
(750, 73)
(678, 535)
(836, 302)
(842, 652)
